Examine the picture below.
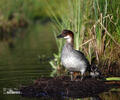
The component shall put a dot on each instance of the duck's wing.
(82, 57)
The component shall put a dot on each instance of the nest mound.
(64, 87)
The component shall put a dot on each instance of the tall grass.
(94, 23)
(72, 16)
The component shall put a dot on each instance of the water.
(21, 65)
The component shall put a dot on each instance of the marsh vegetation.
(28, 30)
(96, 25)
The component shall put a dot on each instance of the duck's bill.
(60, 36)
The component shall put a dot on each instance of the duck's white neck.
(69, 39)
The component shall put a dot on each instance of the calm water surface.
(21, 65)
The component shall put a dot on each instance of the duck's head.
(68, 35)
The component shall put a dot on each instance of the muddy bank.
(63, 87)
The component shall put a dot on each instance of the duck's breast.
(71, 61)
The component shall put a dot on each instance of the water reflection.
(21, 65)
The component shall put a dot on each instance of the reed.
(94, 23)
(73, 16)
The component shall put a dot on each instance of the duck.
(73, 60)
